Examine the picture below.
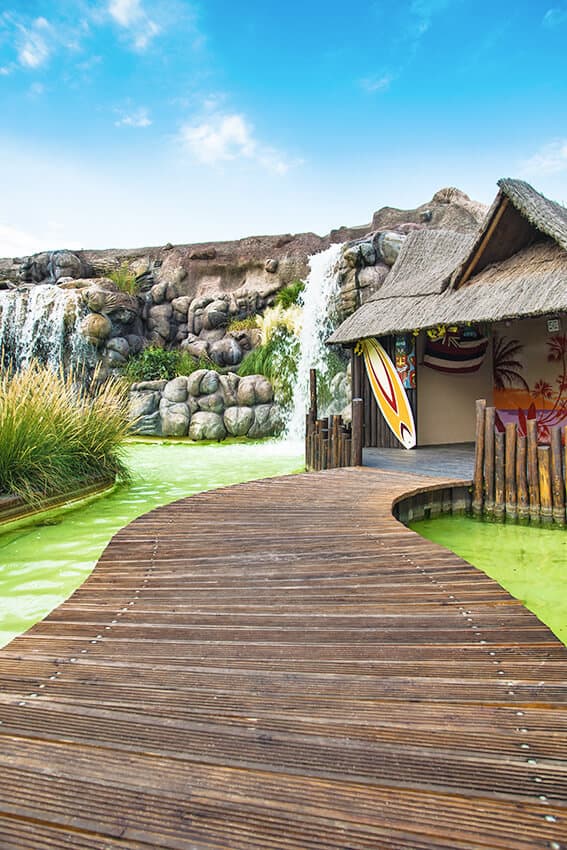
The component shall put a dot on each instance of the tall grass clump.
(124, 279)
(56, 435)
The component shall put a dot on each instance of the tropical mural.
(530, 376)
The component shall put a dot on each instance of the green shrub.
(56, 435)
(289, 295)
(159, 364)
(124, 279)
(277, 361)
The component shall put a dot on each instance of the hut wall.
(445, 401)
(538, 374)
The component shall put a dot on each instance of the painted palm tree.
(506, 365)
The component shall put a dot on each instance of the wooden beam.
(485, 239)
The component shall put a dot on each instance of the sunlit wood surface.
(282, 665)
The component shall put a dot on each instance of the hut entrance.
(446, 399)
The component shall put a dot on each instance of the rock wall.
(206, 406)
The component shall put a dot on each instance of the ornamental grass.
(56, 435)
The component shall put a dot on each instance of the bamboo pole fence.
(329, 442)
(515, 478)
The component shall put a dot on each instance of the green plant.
(289, 295)
(56, 434)
(277, 361)
(153, 364)
(124, 279)
(247, 324)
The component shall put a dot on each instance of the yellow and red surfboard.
(389, 392)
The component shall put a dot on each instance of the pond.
(41, 565)
(530, 563)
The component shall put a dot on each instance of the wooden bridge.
(282, 666)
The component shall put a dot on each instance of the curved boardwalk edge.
(281, 664)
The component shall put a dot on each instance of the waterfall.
(321, 286)
(41, 323)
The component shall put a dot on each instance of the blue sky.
(130, 122)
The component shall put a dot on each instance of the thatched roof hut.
(515, 266)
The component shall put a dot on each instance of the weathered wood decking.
(282, 665)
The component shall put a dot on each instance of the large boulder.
(228, 385)
(143, 402)
(226, 352)
(254, 389)
(238, 420)
(176, 390)
(207, 426)
(194, 346)
(267, 421)
(96, 328)
(175, 418)
(215, 315)
(212, 403)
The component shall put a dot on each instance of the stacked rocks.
(205, 406)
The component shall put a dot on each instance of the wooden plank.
(511, 491)
(489, 418)
(533, 471)
(316, 676)
(499, 476)
(546, 499)
(558, 477)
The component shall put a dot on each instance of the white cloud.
(554, 17)
(138, 118)
(550, 159)
(131, 16)
(19, 243)
(222, 138)
(377, 83)
(33, 47)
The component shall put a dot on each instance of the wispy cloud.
(550, 159)
(132, 17)
(33, 43)
(376, 83)
(228, 137)
(136, 118)
(555, 17)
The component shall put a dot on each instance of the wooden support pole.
(307, 441)
(479, 457)
(558, 484)
(313, 393)
(533, 473)
(499, 465)
(511, 492)
(357, 435)
(324, 443)
(338, 440)
(523, 503)
(546, 500)
(318, 440)
(489, 418)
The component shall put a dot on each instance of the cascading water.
(320, 288)
(41, 323)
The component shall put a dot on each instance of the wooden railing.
(515, 479)
(329, 442)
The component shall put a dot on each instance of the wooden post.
(489, 418)
(318, 445)
(511, 494)
(558, 484)
(307, 441)
(499, 490)
(544, 464)
(357, 435)
(478, 457)
(533, 474)
(338, 440)
(522, 481)
(313, 393)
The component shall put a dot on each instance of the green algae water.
(42, 564)
(530, 563)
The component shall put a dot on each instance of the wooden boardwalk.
(282, 666)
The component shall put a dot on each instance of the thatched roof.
(546, 216)
(531, 283)
(425, 263)
(515, 266)
(518, 217)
